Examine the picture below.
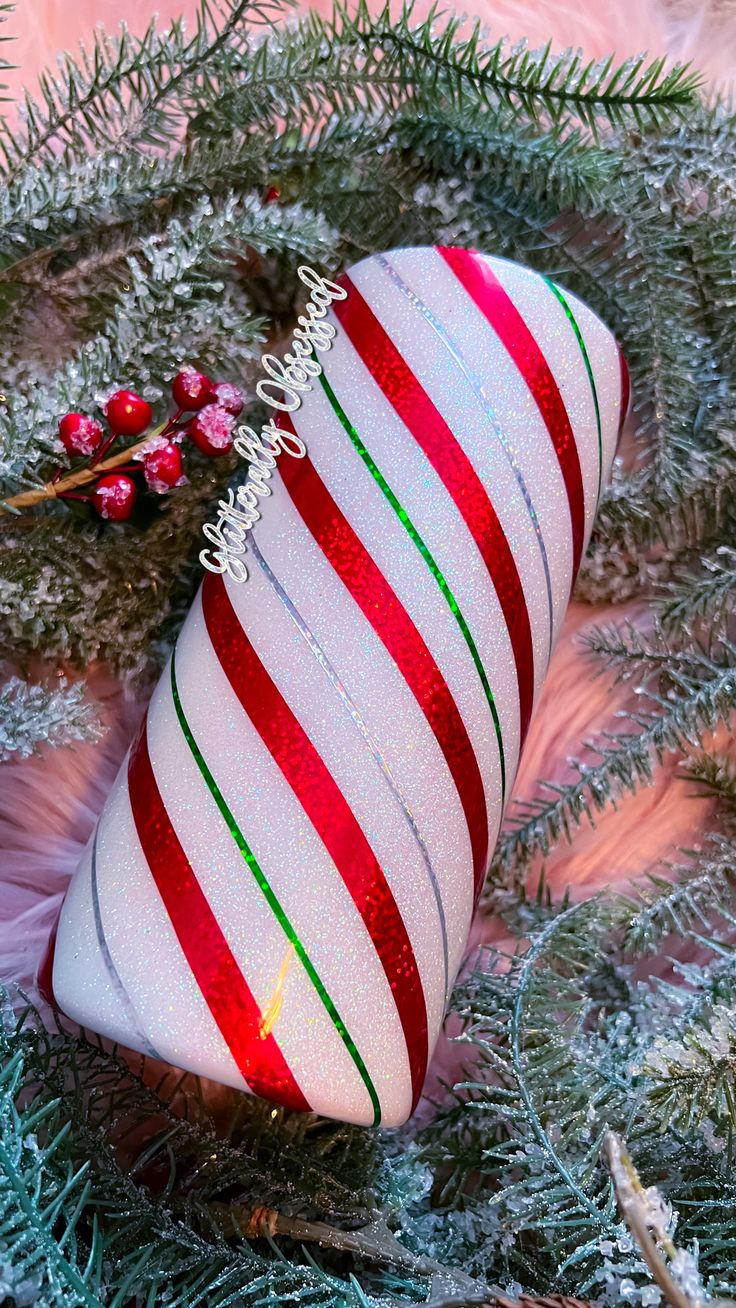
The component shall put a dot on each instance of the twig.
(374, 1242)
(377, 1244)
(525, 979)
(547, 1301)
(640, 1216)
(503, 1301)
(53, 490)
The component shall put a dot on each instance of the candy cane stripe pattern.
(279, 889)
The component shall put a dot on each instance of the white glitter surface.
(145, 948)
(416, 485)
(296, 864)
(332, 732)
(452, 393)
(548, 322)
(389, 708)
(606, 365)
(82, 982)
(120, 968)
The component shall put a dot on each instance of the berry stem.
(172, 424)
(100, 454)
(55, 490)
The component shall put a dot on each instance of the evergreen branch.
(108, 195)
(537, 83)
(163, 314)
(5, 11)
(556, 165)
(526, 975)
(715, 777)
(626, 761)
(540, 83)
(687, 898)
(631, 652)
(374, 1243)
(111, 78)
(642, 1212)
(28, 1182)
(35, 715)
(353, 60)
(691, 1070)
(56, 571)
(708, 595)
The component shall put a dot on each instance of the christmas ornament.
(127, 413)
(79, 434)
(114, 497)
(279, 890)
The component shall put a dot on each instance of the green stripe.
(586, 359)
(272, 900)
(431, 563)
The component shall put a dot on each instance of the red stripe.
(329, 813)
(498, 308)
(392, 624)
(205, 948)
(45, 974)
(418, 413)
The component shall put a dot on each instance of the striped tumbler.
(279, 889)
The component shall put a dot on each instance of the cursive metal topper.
(282, 389)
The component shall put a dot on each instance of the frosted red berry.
(191, 389)
(114, 497)
(162, 467)
(272, 195)
(212, 430)
(228, 397)
(80, 434)
(128, 414)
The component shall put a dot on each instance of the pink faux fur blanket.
(48, 804)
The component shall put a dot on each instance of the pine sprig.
(118, 82)
(557, 164)
(707, 595)
(541, 84)
(5, 12)
(685, 897)
(35, 715)
(41, 1201)
(355, 61)
(161, 318)
(536, 84)
(691, 1069)
(700, 697)
(715, 776)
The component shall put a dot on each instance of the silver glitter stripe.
(145, 1045)
(314, 645)
(480, 394)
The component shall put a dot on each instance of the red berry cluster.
(213, 407)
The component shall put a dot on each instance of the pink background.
(695, 29)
